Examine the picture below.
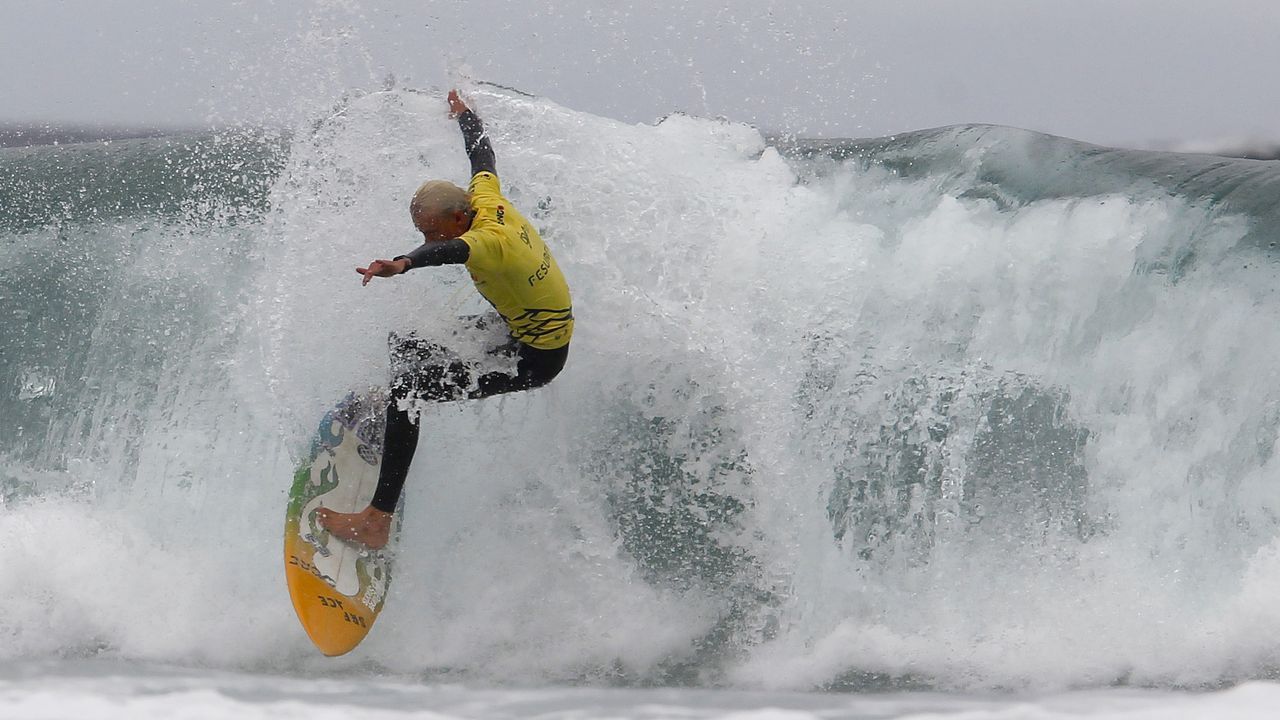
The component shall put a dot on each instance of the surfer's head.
(441, 210)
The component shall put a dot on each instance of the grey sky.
(1109, 71)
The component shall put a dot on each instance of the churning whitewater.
(964, 408)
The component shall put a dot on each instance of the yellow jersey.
(513, 269)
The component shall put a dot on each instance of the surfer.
(511, 267)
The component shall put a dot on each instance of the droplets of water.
(37, 383)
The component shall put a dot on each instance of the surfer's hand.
(382, 268)
(456, 106)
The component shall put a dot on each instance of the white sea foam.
(104, 691)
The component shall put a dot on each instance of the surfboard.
(338, 588)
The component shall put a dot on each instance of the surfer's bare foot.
(369, 527)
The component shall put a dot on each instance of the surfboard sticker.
(338, 588)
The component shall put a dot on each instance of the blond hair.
(438, 197)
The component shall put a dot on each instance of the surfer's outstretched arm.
(474, 139)
(448, 252)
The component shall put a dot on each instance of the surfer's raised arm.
(474, 139)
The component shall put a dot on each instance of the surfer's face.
(438, 227)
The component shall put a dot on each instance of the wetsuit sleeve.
(476, 142)
(449, 252)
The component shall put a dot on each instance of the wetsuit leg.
(444, 381)
(534, 368)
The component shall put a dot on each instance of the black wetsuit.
(429, 372)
